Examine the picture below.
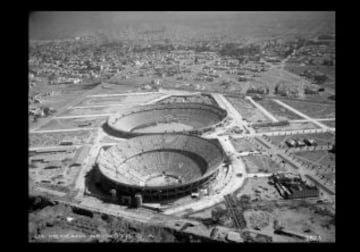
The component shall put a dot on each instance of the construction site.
(182, 127)
(186, 164)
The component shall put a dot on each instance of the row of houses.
(300, 142)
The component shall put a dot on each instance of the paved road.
(267, 113)
(284, 132)
(238, 120)
(83, 116)
(323, 126)
(54, 147)
(62, 130)
(88, 162)
(301, 168)
(317, 119)
(105, 105)
(123, 94)
(157, 99)
(61, 110)
(69, 146)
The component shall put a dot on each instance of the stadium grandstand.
(158, 166)
(165, 118)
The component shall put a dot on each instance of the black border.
(18, 38)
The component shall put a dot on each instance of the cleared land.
(275, 76)
(97, 101)
(313, 109)
(320, 138)
(291, 126)
(242, 145)
(324, 162)
(330, 123)
(57, 97)
(294, 215)
(93, 228)
(260, 163)
(52, 139)
(324, 158)
(94, 111)
(247, 110)
(74, 123)
(107, 88)
(328, 70)
(259, 189)
(278, 111)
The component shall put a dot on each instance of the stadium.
(165, 118)
(158, 166)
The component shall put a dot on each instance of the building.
(310, 142)
(300, 143)
(172, 118)
(176, 166)
(291, 186)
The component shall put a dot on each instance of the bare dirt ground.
(109, 100)
(72, 123)
(52, 224)
(313, 109)
(278, 111)
(330, 123)
(259, 189)
(260, 163)
(52, 139)
(247, 110)
(95, 110)
(242, 145)
(295, 217)
(291, 126)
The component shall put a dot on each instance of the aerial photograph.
(181, 127)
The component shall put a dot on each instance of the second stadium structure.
(165, 118)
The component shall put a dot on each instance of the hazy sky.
(48, 25)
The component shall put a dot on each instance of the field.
(247, 110)
(108, 88)
(298, 216)
(331, 123)
(95, 111)
(278, 111)
(48, 224)
(259, 189)
(291, 126)
(71, 123)
(242, 145)
(313, 109)
(275, 76)
(122, 99)
(260, 164)
(324, 158)
(56, 97)
(52, 139)
(328, 70)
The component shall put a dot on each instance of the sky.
(53, 25)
